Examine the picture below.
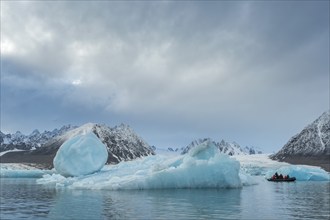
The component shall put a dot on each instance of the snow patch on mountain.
(14, 150)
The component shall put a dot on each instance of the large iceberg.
(81, 155)
(203, 167)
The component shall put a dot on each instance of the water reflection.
(307, 200)
(298, 200)
(147, 204)
(23, 198)
(173, 204)
(70, 204)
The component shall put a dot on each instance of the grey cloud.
(208, 68)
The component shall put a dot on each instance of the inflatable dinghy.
(291, 179)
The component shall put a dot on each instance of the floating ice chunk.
(56, 180)
(247, 179)
(23, 173)
(205, 167)
(302, 173)
(80, 155)
(17, 170)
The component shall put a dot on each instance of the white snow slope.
(313, 140)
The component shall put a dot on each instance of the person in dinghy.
(281, 178)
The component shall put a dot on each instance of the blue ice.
(81, 155)
(302, 173)
(203, 167)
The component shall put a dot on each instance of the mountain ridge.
(20, 141)
(121, 141)
(224, 147)
(311, 146)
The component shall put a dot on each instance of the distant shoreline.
(25, 157)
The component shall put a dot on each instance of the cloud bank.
(254, 72)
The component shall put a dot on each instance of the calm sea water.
(23, 198)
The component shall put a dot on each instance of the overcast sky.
(254, 72)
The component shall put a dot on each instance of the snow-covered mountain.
(252, 150)
(313, 143)
(170, 151)
(121, 141)
(224, 147)
(31, 141)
